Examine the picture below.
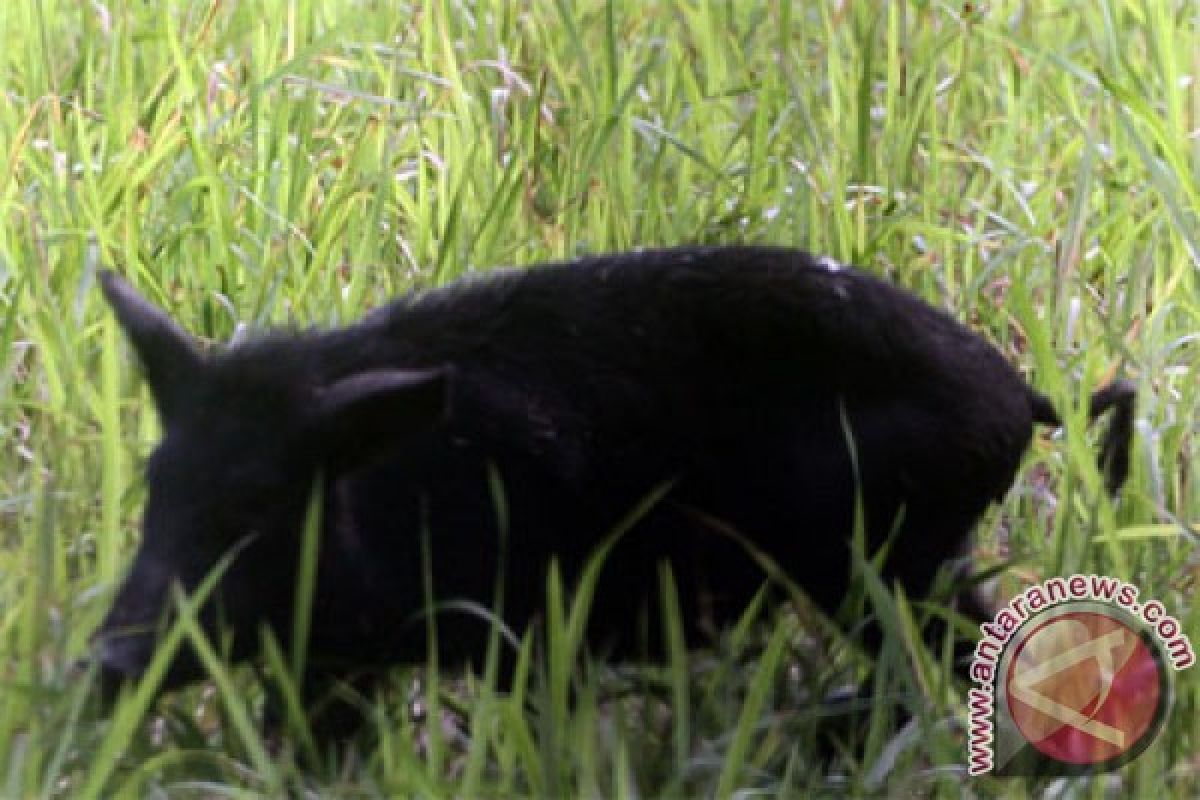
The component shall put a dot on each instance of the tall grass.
(1029, 166)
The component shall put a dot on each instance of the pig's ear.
(169, 358)
(360, 417)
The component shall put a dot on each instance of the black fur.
(735, 372)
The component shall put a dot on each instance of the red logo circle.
(1084, 688)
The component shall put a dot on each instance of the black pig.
(738, 376)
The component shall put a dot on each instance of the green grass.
(1029, 166)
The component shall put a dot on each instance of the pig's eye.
(253, 481)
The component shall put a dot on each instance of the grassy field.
(1030, 167)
